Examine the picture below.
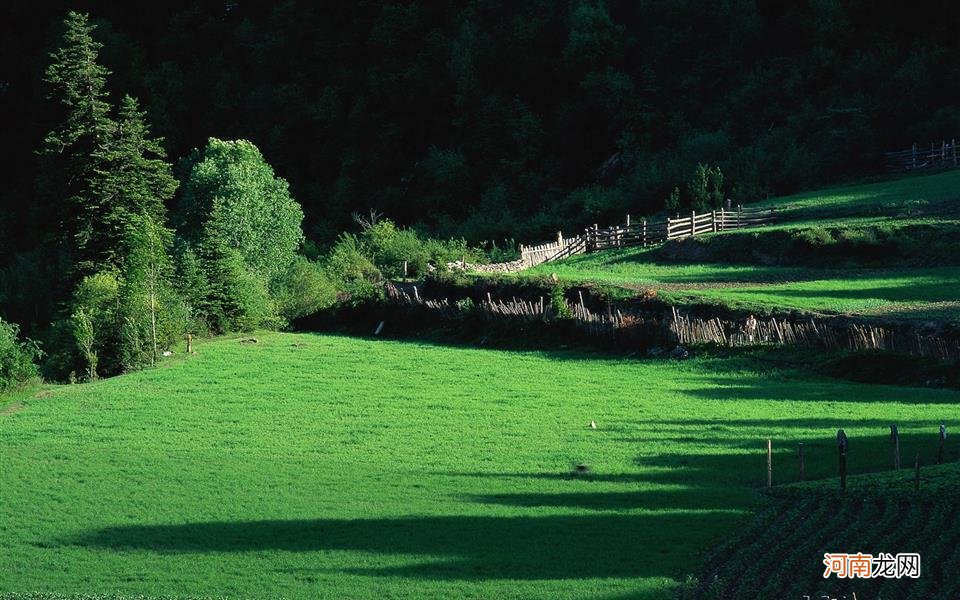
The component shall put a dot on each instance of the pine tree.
(71, 150)
(132, 182)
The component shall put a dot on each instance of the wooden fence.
(644, 233)
(938, 156)
(651, 232)
(646, 330)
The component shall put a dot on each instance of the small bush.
(558, 303)
(303, 289)
(356, 277)
(816, 236)
(17, 358)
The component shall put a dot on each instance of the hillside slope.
(780, 554)
(310, 466)
(886, 249)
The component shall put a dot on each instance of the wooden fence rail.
(643, 233)
(942, 156)
(652, 232)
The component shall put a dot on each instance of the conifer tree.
(132, 182)
(71, 151)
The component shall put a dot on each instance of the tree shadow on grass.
(689, 498)
(455, 547)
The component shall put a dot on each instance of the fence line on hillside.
(646, 232)
(649, 330)
(938, 156)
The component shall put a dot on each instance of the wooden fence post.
(800, 455)
(769, 462)
(713, 220)
(943, 438)
(842, 446)
(404, 269)
(895, 439)
(693, 223)
(645, 233)
(739, 209)
(189, 343)
(914, 155)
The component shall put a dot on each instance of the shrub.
(388, 247)
(558, 303)
(17, 358)
(356, 277)
(303, 289)
(815, 236)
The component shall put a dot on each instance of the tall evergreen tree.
(72, 150)
(132, 182)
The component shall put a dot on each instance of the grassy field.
(879, 513)
(313, 466)
(921, 293)
(914, 199)
(872, 289)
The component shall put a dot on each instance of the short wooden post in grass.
(800, 456)
(769, 462)
(916, 472)
(943, 439)
(842, 446)
(189, 343)
(895, 440)
(404, 269)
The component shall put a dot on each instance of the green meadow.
(920, 293)
(308, 466)
(888, 250)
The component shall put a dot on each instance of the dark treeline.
(479, 120)
(489, 119)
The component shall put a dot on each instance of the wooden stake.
(895, 438)
(943, 438)
(189, 343)
(842, 446)
(769, 462)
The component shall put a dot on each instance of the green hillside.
(779, 555)
(882, 249)
(312, 466)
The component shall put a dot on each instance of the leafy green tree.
(673, 200)
(706, 188)
(304, 289)
(152, 314)
(17, 358)
(95, 320)
(232, 196)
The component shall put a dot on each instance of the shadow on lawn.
(455, 547)
(908, 292)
